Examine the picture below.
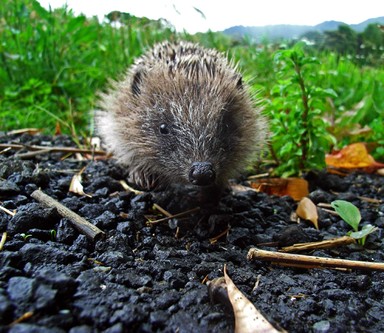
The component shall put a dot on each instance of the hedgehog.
(181, 115)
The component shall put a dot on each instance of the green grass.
(53, 63)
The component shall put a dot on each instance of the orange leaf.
(297, 188)
(352, 157)
(307, 210)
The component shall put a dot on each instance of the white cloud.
(223, 14)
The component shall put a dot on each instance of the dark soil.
(144, 278)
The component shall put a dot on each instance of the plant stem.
(304, 137)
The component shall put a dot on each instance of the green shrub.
(296, 108)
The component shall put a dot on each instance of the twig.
(4, 150)
(303, 261)
(257, 282)
(53, 149)
(26, 156)
(164, 219)
(325, 244)
(90, 230)
(324, 207)
(7, 211)
(370, 200)
(260, 175)
(329, 211)
(162, 210)
(22, 318)
(3, 239)
(25, 130)
(214, 240)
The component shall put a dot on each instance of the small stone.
(322, 326)
(8, 188)
(33, 216)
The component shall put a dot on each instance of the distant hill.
(327, 26)
(361, 26)
(286, 31)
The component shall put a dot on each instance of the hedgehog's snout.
(202, 174)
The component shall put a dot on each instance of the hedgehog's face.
(193, 125)
(194, 139)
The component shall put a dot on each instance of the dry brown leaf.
(307, 210)
(354, 156)
(297, 188)
(247, 318)
(76, 186)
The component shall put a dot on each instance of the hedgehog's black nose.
(202, 174)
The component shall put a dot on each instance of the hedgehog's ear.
(136, 82)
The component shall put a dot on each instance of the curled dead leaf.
(307, 210)
(76, 186)
(247, 318)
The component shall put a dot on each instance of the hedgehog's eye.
(164, 129)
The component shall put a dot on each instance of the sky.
(221, 14)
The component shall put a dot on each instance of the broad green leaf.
(363, 233)
(348, 212)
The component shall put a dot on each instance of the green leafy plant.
(295, 108)
(351, 215)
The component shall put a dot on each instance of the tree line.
(365, 48)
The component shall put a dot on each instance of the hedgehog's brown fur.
(179, 104)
